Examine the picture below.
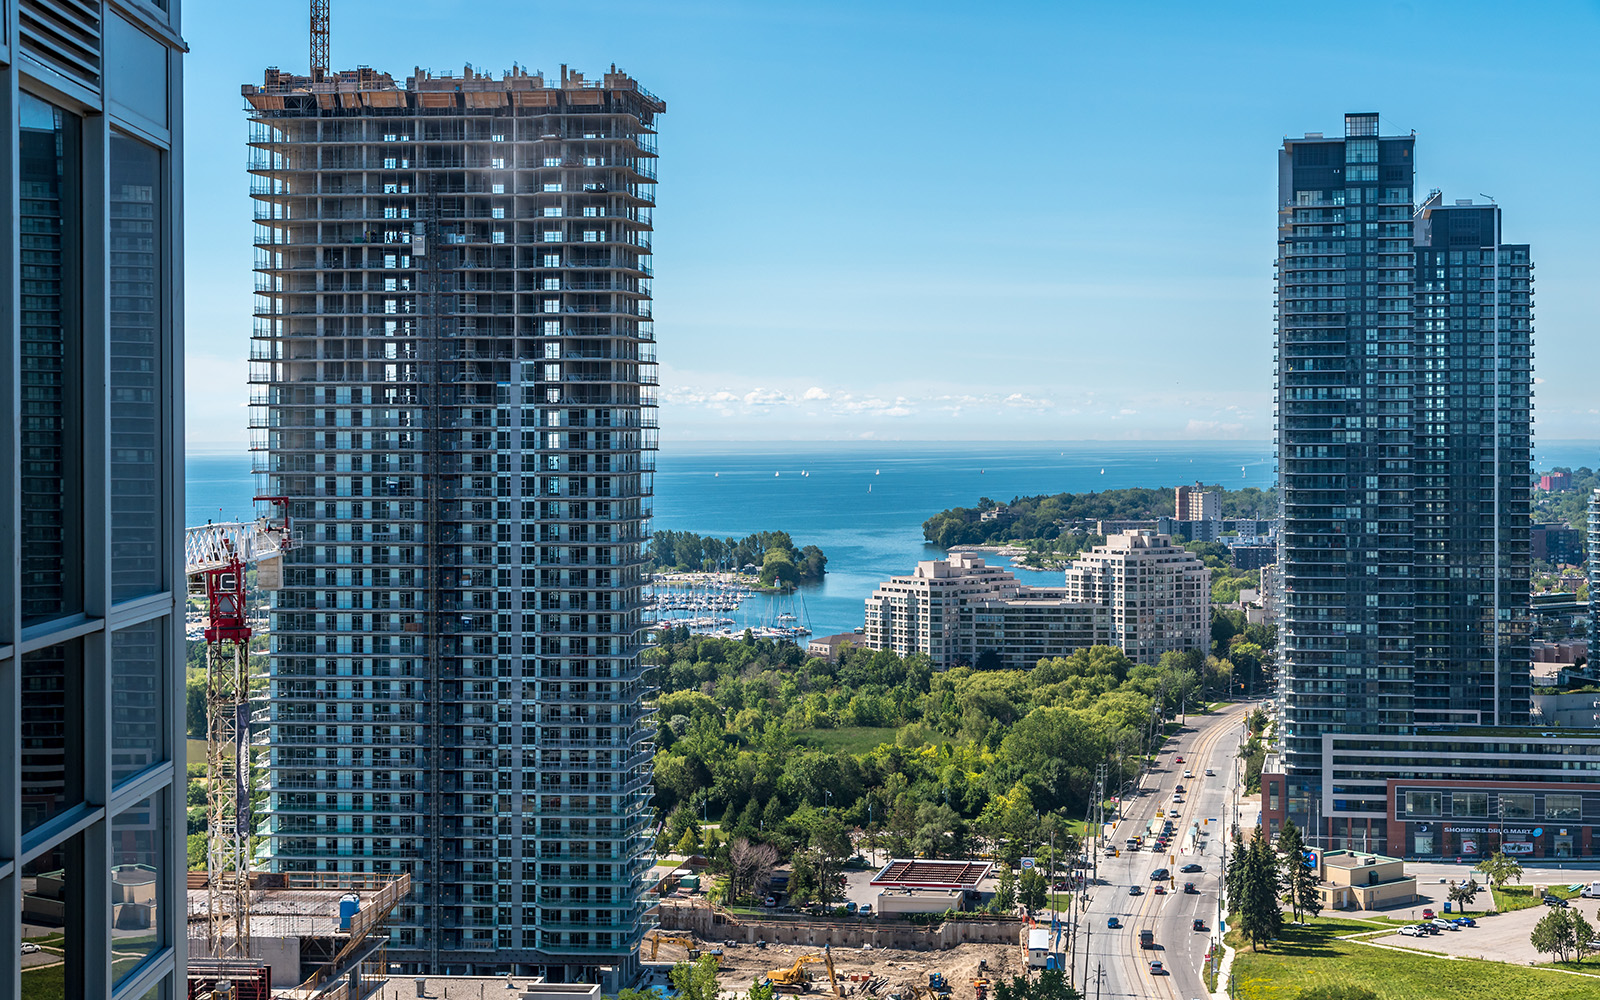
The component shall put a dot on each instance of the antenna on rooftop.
(320, 30)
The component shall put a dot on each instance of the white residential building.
(1159, 594)
(918, 613)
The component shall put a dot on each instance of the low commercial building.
(893, 901)
(828, 646)
(911, 885)
(1350, 880)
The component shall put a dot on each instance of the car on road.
(1134, 890)
(1199, 924)
(1113, 923)
(1160, 873)
(1189, 889)
(1210, 773)
(1188, 774)
(1179, 789)
(1177, 800)
(1156, 969)
(1160, 889)
(1190, 868)
(1177, 760)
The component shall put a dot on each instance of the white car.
(1410, 931)
(29, 949)
(1188, 774)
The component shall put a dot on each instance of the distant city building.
(455, 388)
(1557, 544)
(1403, 396)
(1555, 482)
(1593, 567)
(960, 611)
(1159, 594)
(1192, 503)
(92, 788)
(1252, 556)
(1270, 596)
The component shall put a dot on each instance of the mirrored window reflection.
(50, 333)
(52, 923)
(137, 861)
(138, 711)
(136, 360)
(52, 732)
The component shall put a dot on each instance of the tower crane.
(215, 560)
(321, 35)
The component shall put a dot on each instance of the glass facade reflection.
(91, 600)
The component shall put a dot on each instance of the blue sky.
(970, 221)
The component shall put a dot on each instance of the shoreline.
(1014, 554)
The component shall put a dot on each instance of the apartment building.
(454, 371)
(1403, 401)
(91, 666)
(1158, 593)
(1015, 633)
(1191, 503)
(921, 613)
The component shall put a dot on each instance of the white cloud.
(816, 393)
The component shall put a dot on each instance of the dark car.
(1134, 890)
(1554, 901)
(1191, 868)
(1113, 923)
(1189, 888)
(1465, 922)
(1199, 924)
(1160, 873)
(1179, 789)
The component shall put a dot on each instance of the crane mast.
(216, 557)
(321, 29)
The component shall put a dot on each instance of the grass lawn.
(49, 983)
(1314, 956)
(1520, 897)
(852, 739)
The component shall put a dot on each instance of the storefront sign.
(1517, 847)
(1469, 846)
(1529, 831)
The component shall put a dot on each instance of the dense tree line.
(963, 760)
(1042, 517)
(774, 553)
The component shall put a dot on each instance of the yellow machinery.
(794, 978)
(833, 981)
(686, 942)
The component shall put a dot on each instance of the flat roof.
(919, 874)
(1354, 859)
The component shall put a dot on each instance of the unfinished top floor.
(368, 91)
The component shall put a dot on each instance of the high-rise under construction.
(454, 387)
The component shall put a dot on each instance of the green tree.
(1556, 933)
(688, 844)
(1462, 893)
(1582, 935)
(1260, 914)
(1299, 879)
(697, 981)
(1033, 889)
(197, 852)
(1233, 877)
(1051, 984)
(1500, 868)
(1005, 890)
(760, 990)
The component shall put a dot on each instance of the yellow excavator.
(794, 978)
(686, 942)
(833, 980)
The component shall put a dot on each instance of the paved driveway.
(1502, 938)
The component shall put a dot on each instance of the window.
(137, 870)
(552, 211)
(1516, 805)
(1563, 807)
(1424, 803)
(137, 708)
(1469, 803)
(51, 340)
(497, 189)
(136, 362)
(52, 732)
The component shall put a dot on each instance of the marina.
(716, 604)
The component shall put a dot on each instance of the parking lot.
(1502, 938)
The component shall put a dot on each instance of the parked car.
(1466, 921)
(770, 901)
(29, 948)
(1410, 931)
(1427, 913)
(1190, 868)
(1554, 901)
(1446, 925)
(866, 910)
(1160, 873)
(850, 907)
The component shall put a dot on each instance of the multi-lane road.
(1116, 964)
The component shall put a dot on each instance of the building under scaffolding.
(322, 935)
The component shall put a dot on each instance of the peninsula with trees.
(778, 562)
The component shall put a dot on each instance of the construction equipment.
(938, 984)
(833, 980)
(980, 988)
(793, 979)
(321, 33)
(688, 943)
(215, 559)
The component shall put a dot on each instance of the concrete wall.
(709, 925)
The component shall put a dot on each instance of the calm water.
(869, 534)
